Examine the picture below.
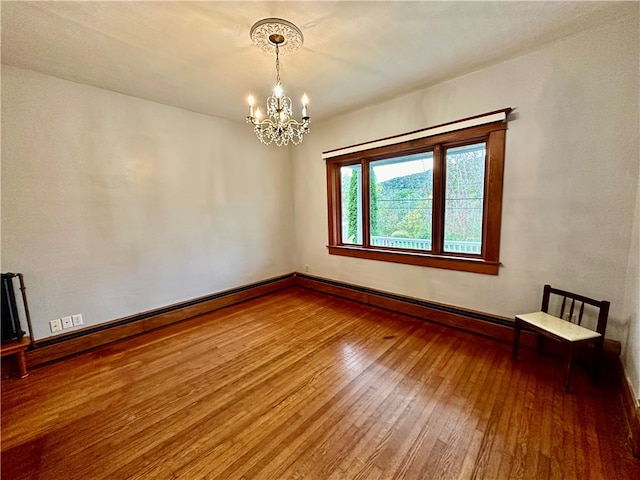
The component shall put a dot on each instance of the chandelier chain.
(277, 65)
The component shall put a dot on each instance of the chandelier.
(274, 34)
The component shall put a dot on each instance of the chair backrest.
(575, 312)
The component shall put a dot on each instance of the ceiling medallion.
(262, 31)
(273, 35)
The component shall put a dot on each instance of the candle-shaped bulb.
(251, 102)
(258, 113)
(305, 102)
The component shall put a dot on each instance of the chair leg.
(516, 339)
(567, 371)
(597, 358)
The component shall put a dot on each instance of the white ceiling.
(198, 55)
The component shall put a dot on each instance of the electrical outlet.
(55, 325)
(306, 268)
(67, 322)
(77, 320)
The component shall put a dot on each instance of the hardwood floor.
(303, 385)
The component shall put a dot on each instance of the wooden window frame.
(488, 262)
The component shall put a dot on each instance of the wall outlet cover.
(77, 320)
(67, 322)
(55, 325)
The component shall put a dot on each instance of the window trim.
(487, 262)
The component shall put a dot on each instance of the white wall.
(571, 177)
(113, 205)
(631, 358)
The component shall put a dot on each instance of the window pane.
(401, 196)
(464, 199)
(351, 204)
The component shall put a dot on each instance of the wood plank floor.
(302, 385)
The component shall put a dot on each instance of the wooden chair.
(566, 328)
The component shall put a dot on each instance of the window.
(430, 198)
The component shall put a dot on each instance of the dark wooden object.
(17, 349)
(551, 327)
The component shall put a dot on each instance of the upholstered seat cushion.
(558, 327)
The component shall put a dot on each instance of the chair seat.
(559, 328)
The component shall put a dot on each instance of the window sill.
(463, 264)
